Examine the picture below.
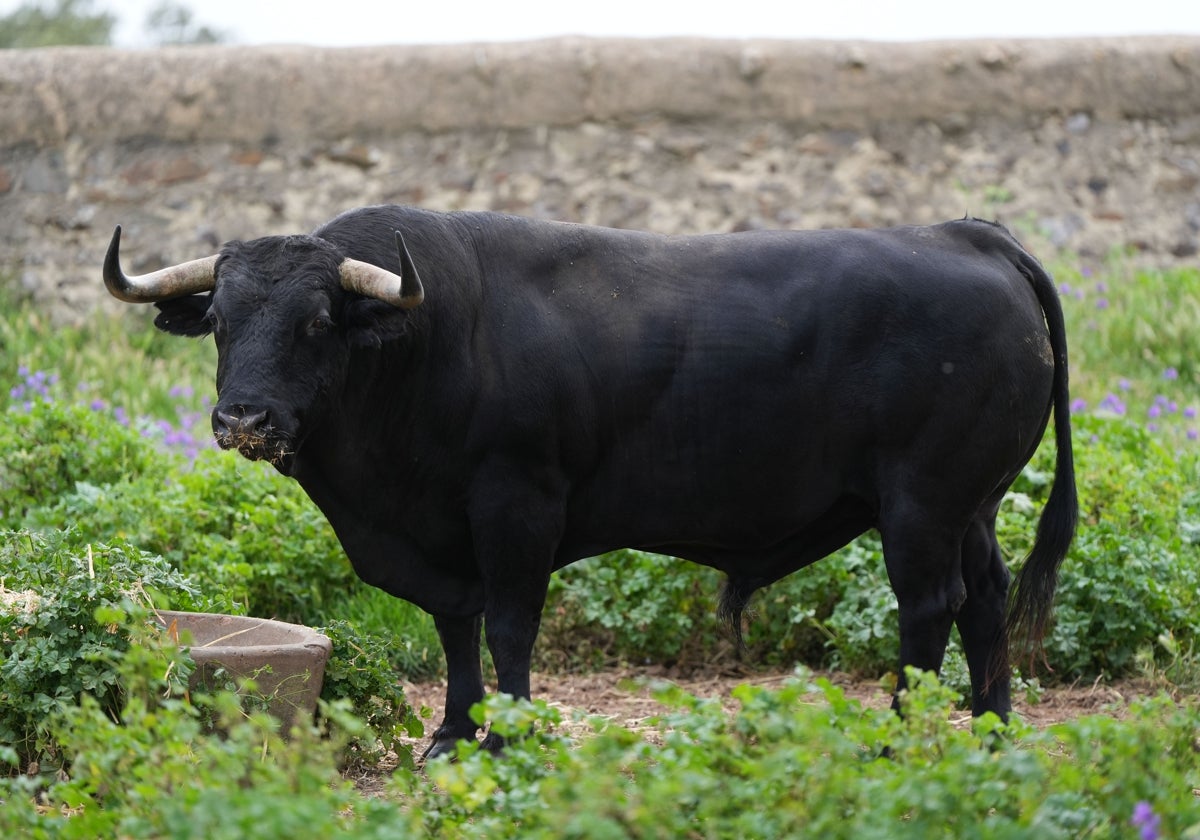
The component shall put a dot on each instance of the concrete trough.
(286, 661)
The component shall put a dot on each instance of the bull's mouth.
(276, 449)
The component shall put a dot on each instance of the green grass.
(121, 361)
(1135, 346)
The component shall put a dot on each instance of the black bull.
(544, 392)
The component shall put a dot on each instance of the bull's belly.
(716, 517)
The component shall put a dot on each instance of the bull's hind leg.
(923, 559)
(981, 621)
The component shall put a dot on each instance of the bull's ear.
(372, 323)
(184, 316)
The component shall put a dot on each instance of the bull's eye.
(212, 321)
(320, 325)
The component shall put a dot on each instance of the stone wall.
(1081, 146)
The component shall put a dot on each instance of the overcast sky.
(359, 22)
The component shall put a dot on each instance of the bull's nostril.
(254, 422)
(239, 422)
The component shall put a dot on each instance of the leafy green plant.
(798, 760)
(160, 772)
(628, 605)
(360, 673)
(239, 528)
(66, 610)
(803, 760)
(68, 615)
(863, 624)
(412, 648)
(636, 606)
(49, 447)
(1132, 574)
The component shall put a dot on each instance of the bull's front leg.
(464, 682)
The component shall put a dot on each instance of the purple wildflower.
(1151, 427)
(98, 405)
(1114, 404)
(1124, 384)
(1170, 374)
(1102, 303)
(1193, 434)
(1154, 411)
(34, 386)
(1078, 405)
(1190, 412)
(1145, 820)
(36, 381)
(1102, 287)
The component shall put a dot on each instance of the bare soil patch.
(625, 697)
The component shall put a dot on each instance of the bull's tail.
(735, 597)
(1033, 592)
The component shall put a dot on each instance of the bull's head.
(285, 313)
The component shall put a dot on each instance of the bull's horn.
(403, 290)
(187, 278)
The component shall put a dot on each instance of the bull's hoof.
(439, 747)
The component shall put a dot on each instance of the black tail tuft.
(735, 597)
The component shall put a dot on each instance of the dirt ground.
(624, 696)
(614, 693)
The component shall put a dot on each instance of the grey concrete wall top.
(257, 94)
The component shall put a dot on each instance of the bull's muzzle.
(250, 432)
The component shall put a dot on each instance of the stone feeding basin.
(286, 661)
